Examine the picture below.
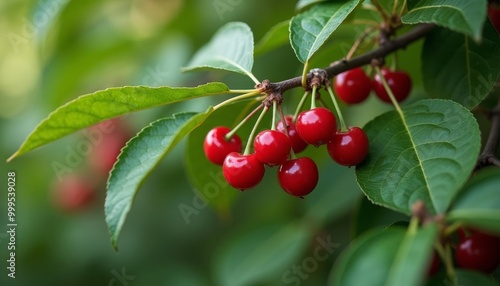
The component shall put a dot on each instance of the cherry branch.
(488, 156)
(344, 65)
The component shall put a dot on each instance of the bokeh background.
(55, 50)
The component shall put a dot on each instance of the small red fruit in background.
(298, 177)
(272, 147)
(316, 126)
(352, 86)
(494, 15)
(109, 138)
(298, 145)
(398, 81)
(434, 265)
(73, 193)
(216, 146)
(348, 148)
(242, 171)
(479, 251)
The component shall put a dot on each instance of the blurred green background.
(54, 51)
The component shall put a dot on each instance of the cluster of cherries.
(292, 134)
(354, 86)
(476, 250)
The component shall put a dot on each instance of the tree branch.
(488, 156)
(344, 65)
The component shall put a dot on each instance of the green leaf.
(306, 3)
(257, 255)
(369, 215)
(276, 37)
(463, 16)
(392, 257)
(93, 108)
(310, 29)
(138, 159)
(458, 68)
(426, 153)
(478, 204)
(230, 49)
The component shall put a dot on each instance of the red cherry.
(242, 171)
(216, 146)
(298, 145)
(348, 148)
(479, 252)
(399, 82)
(73, 193)
(298, 177)
(494, 14)
(316, 126)
(108, 138)
(434, 265)
(272, 147)
(352, 86)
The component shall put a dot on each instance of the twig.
(344, 65)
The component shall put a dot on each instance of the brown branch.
(344, 65)
(488, 156)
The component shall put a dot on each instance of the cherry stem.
(395, 6)
(283, 121)
(299, 107)
(388, 90)
(445, 255)
(343, 126)
(254, 129)
(242, 90)
(385, 16)
(304, 75)
(273, 122)
(232, 132)
(452, 228)
(402, 8)
(313, 97)
(254, 92)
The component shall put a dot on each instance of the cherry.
(108, 138)
(480, 252)
(272, 147)
(316, 126)
(242, 171)
(398, 81)
(434, 265)
(298, 145)
(298, 177)
(216, 146)
(352, 86)
(73, 193)
(348, 148)
(494, 15)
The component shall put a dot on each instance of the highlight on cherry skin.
(352, 86)
(272, 147)
(298, 177)
(217, 147)
(399, 82)
(348, 148)
(316, 126)
(242, 171)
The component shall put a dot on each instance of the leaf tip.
(12, 157)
